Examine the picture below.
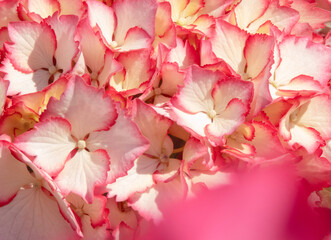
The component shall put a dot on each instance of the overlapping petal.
(50, 143)
(86, 108)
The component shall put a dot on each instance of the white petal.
(194, 122)
(66, 48)
(228, 44)
(308, 138)
(86, 108)
(50, 142)
(152, 203)
(227, 121)
(138, 179)
(34, 45)
(44, 8)
(247, 11)
(302, 57)
(101, 15)
(317, 114)
(24, 83)
(136, 13)
(195, 96)
(34, 215)
(94, 57)
(83, 172)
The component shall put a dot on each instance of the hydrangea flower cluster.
(111, 110)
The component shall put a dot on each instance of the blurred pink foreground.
(262, 205)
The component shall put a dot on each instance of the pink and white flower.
(78, 140)
(39, 53)
(211, 105)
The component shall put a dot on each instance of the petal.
(195, 95)
(111, 67)
(86, 108)
(317, 114)
(299, 56)
(284, 18)
(314, 170)
(123, 232)
(95, 210)
(117, 215)
(13, 174)
(261, 96)
(8, 12)
(72, 7)
(138, 179)
(228, 89)
(164, 25)
(258, 53)
(194, 123)
(207, 56)
(276, 111)
(228, 44)
(309, 13)
(65, 31)
(34, 46)
(34, 215)
(44, 8)
(136, 38)
(65, 208)
(172, 77)
(123, 142)
(94, 57)
(211, 179)
(102, 17)
(3, 93)
(247, 11)
(193, 150)
(204, 24)
(152, 203)
(138, 67)
(145, 117)
(192, 7)
(183, 54)
(309, 138)
(24, 83)
(83, 172)
(91, 233)
(50, 143)
(227, 121)
(215, 8)
(42, 181)
(177, 6)
(169, 172)
(267, 145)
(134, 13)
(303, 85)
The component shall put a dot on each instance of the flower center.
(211, 113)
(163, 158)
(52, 70)
(81, 144)
(113, 44)
(294, 117)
